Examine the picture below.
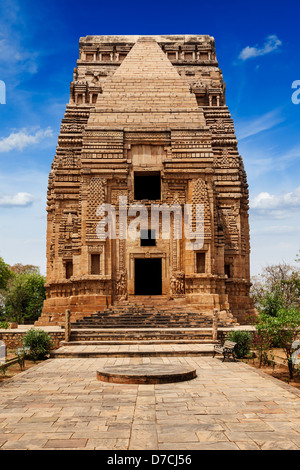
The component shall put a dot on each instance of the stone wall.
(13, 339)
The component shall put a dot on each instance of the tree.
(24, 297)
(272, 302)
(277, 287)
(282, 330)
(5, 274)
(262, 343)
(24, 268)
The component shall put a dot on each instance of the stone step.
(138, 336)
(188, 329)
(152, 315)
(125, 326)
(143, 316)
(128, 324)
(131, 325)
(132, 316)
(144, 350)
(141, 335)
(126, 321)
(132, 342)
(143, 312)
(142, 324)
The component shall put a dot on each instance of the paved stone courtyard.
(60, 404)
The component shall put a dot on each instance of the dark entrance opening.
(148, 276)
(147, 186)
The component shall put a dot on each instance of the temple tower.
(147, 122)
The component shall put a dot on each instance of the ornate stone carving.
(120, 286)
(226, 160)
(96, 197)
(177, 283)
(200, 196)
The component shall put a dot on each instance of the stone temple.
(147, 120)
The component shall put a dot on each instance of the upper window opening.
(147, 186)
(228, 270)
(200, 261)
(148, 238)
(95, 264)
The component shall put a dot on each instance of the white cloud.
(279, 207)
(23, 228)
(271, 44)
(17, 200)
(259, 124)
(274, 230)
(20, 140)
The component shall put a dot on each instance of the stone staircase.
(141, 335)
(148, 320)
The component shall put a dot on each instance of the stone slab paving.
(60, 404)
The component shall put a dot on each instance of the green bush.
(4, 325)
(39, 342)
(243, 340)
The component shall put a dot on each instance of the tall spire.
(147, 80)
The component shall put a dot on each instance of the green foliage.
(272, 302)
(262, 343)
(39, 342)
(282, 330)
(243, 340)
(276, 288)
(25, 296)
(24, 268)
(5, 274)
(4, 325)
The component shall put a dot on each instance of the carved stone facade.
(146, 105)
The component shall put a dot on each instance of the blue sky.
(257, 46)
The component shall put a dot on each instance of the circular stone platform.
(146, 374)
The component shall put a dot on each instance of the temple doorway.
(148, 276)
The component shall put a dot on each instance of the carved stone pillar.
(215, 324)
(67, 326)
